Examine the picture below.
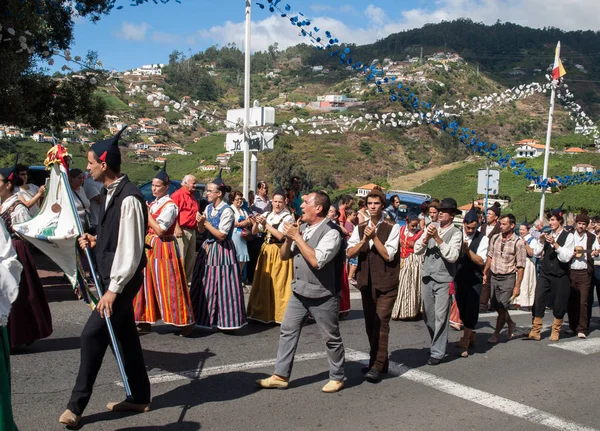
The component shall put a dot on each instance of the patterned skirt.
(164, 294)
(217, 294)
(408, 301)
(6, 418)
(30, 317)
(271, 287)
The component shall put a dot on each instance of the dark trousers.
(467, 296)
(94, 341)
(484, 298)
(253, 251)
(377, 309)
(559, 288)
(578, 299)
(594, 283)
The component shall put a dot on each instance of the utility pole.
(421, 57)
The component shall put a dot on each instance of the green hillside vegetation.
(461, 184)
(113, 103)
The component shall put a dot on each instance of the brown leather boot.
(556, 326)
(536, 329)
(463, 346)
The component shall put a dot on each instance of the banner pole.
(98, 284)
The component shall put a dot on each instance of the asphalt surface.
(207, 381)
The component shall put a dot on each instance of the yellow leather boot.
(536, 329)
(556, 326)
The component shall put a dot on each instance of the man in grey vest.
(441, 246)
(316, 247)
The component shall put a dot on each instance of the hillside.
(179, 113)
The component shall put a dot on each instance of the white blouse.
(10, 275)
(20, 214)
(169, 213)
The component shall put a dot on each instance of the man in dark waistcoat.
(318, 256)
(581, 271)
(376, 245)
(490, 228)
(119, 251)
(469, 278)
(556, 251)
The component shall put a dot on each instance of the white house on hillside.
(531, 149)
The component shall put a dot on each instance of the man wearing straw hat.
(119, 251)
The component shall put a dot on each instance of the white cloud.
(380, 23)
(130, 31)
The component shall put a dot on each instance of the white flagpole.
(548, 137)
(247, 100)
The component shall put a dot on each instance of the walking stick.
(98, 284)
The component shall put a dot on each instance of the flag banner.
(54, 230)
(558, 71)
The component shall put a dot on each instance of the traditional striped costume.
(216, 290)
(165, 294)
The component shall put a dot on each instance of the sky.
(145, 34)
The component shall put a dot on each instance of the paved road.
(207, 381)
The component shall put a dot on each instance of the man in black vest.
(376, 245)
(119, 251)
(490, 228)
(556, 251)
(469, 278)
(580, 271)
(318, 256)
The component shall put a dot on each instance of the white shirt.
(130, 244)
(482, 248)
(565, 253)
(532, 242)
(449, 251)
(489, 229)
(327, 247)
(581, 262)
(596, 246)
(92, 189)
(10, 275)
(261, 205)
(391, 244)
(20, 214)
(227, 216)
(281, 217)
(28, 195)
(169, 213)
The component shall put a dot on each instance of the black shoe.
(434, 361)
(373, 376)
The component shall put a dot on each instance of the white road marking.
(586, 346)
(244, 366)
(485, 399)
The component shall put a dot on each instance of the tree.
(42, 28)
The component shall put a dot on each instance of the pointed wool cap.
(107, 150)
(471, 215)
(219, 180)
(162, 174)
(10, 173)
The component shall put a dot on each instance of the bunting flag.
(54, 230)
(558, 71)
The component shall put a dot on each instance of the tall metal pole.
(548, 136)
(253, 170)
(487, 185)
(247, 100)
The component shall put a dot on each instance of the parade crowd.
(298, 256)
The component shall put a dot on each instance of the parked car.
(410, 202)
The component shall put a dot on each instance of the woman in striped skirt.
(165, 294)
(217, 293)
(408, 302)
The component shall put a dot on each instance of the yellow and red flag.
(558, 71)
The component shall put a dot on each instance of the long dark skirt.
(6, 418)
(468, 291)
(29, 318)
(217, 295)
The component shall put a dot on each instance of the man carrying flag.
(119, 252)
